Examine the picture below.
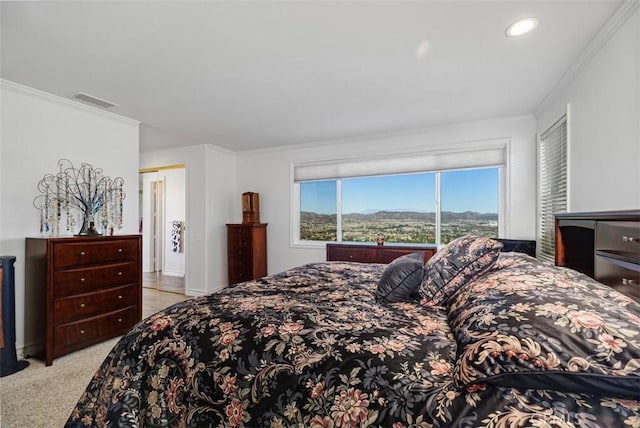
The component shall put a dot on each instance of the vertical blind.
(552, 190)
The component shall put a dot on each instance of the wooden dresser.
(603, 245)
(371, 253)
(80, 291)
(246, 251)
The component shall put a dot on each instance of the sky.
(466, 190)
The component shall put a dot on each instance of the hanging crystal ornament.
(84, 190)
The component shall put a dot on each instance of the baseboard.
(172, 273)
(195, 293)
(31, 350)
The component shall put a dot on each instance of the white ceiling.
(247, 75)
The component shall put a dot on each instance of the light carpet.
(43, 397)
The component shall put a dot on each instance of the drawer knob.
(120, 296)
(81, 331)
(82, 279)
(629, 239)
(350, 256)
(82, 253)
(119, 273)
(626, 281)
(119, 250)
(119, 319)
(82, 305)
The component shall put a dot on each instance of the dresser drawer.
(240, 266)
(79, 281)
(345, 254)
(240, 236)
(621, 275)
(80, 291)
(367, 253)
(76, 335)
(69, 254)
(246, 251)
(387, 255)
(240, 272)
(622, 237)
(80, 306)
(240, 277)
(241, 250)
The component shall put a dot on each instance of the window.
(469, 201)
(318, 211)
(428, 197)
(552, 186)
(401, 207)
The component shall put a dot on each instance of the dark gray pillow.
(454, 265)
(400, 278)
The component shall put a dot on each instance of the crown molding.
(8, 84)
(221, 150)
(624, 12)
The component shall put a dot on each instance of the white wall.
(268, 173)
(223, 199)
(210, 192)
(175, 210)
(604, 122)
(38, 129)
(145, 204)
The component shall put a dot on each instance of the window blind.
(439, 160)
(552, 190)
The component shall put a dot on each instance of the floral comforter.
(311, 347)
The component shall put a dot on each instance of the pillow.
(525, 246)
(400, 278)
(531, 325)
(455, 265)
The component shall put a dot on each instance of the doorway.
(163, 228)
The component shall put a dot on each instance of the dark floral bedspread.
(310, 347)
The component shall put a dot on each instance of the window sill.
(318, 245)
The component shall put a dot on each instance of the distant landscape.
(397, 226)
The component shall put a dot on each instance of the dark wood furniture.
(250, 207)
(526, 246)
(603, 245)
(80, 291)
(370, 253)
(246, 251)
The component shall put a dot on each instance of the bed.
(475, 337)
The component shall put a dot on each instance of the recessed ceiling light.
(521, 27)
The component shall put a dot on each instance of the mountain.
(467, 215)
(446, 216)
(373, 211)
(311, 216)
(399, 215)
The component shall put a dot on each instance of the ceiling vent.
(90, 99)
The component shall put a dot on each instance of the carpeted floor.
(43, 397)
